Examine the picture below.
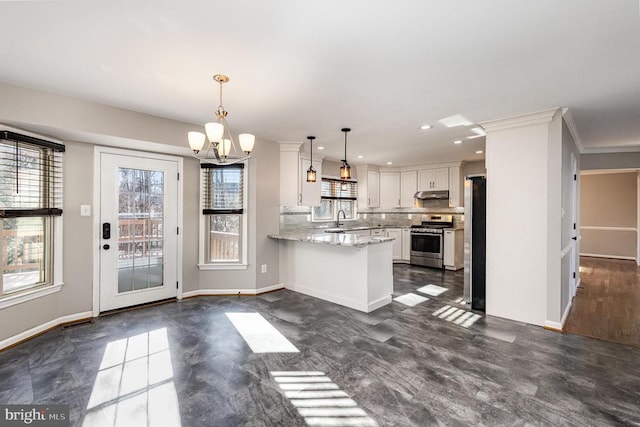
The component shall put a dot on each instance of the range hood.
(432, 195)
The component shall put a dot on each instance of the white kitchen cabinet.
(408, 188)
(456, 192)
(294, 188)
(453, 249)
(406, 244)
(433, 179)
(368, 187)
(380, 232)
(309, 191)
(390, 189)
(396, 233)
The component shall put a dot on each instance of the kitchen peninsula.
(343, 268)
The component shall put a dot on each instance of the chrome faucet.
(344, 215)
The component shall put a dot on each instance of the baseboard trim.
(559, 327)
(630, 258)
(231, 292)
(41, 329)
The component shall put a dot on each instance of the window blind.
(338, 189)
(30, 176)
(223, 191)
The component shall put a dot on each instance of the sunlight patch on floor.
(410, 299)
(457, 316)
(432, 290)
(134, 384)
(319, 400)
(260, 335)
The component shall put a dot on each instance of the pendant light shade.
(345, 169)
(311, 172)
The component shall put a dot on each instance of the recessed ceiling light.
(479, 152)
(321, 148)
(458, 141)
(425, 127)
(456, 120)
(389, 163)
(360, 156)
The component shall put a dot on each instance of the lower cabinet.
(453, 249)
(406, 244)
(396, 233)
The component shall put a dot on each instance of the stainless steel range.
(427, 240)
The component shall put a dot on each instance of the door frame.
(97, 153)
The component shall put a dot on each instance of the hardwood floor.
(607, 304)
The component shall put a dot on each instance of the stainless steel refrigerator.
(475, 246)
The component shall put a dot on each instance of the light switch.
(85, 210)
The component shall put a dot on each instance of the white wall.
(523, 215)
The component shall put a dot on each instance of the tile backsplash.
(298, 218)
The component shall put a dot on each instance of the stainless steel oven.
(427, 240)
(426, 249)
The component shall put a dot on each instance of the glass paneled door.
(138, 230)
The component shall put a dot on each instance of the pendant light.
(222, 148)
(311, 172)
(345, 169)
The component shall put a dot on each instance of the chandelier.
(221, 148)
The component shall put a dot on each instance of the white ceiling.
(303, 68)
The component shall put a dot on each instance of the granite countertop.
(342, 239)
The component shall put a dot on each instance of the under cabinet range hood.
(432, 195)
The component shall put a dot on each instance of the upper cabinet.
(433, 179)
(408, 188)
(368, 187)
(294, 188)
(310, 191)
(456, 193)
(390, 190)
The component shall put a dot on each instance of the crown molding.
(530, 119)
(611, 150)
(573, 129)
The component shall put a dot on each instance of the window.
(224, 221)
(336, 195)
(30, 209)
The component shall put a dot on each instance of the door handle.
(574, 238)
(106, 247)
(106, 230)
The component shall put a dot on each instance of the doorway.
(138, 219)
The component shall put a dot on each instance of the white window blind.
(223, 189)
(339, 189)
(30, 176)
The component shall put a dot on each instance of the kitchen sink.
(334, 230)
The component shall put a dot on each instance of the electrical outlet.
(364, 216)
(383, 216)
(264, 268)
(408, 216)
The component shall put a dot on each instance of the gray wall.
(332, 168)
(474, 168)
(610, 161)
(80, 124)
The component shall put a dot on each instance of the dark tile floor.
(184, 364)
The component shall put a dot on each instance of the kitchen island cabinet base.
(356, 277)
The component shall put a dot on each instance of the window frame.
(53, 232)
(203, 231)
(335, 195)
